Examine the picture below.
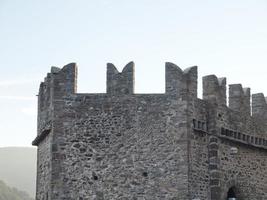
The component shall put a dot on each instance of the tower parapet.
(57, 83)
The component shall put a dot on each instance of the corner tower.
(114, 145)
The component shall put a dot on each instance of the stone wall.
(122, 148)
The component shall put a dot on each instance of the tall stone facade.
(173, 146)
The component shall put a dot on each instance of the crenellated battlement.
(178, 82)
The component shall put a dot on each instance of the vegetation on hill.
(18, 168)
(8, 193)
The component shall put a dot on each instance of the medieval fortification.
(120, 145)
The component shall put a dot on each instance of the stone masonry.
(172, 146)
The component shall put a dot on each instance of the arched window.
(231, 194)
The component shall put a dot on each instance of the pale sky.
(227, 38)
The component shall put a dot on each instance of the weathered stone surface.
(174, 146)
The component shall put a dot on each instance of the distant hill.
(18, 168)
(8, 193)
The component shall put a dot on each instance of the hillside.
(8, 193)
(18, 168)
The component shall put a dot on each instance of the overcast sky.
(227, 38)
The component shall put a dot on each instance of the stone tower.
(172, 146)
